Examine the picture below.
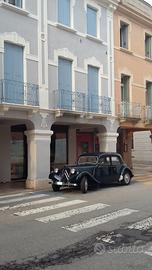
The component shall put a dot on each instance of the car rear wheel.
(55, 188)
(84, 185)
(126, 179)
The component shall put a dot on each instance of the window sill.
(66, 28)
(14, 8)
(94, 39)
(126, 50)
(148, 59)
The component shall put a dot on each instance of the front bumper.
(63, 184)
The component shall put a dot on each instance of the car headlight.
(72, 171)
(56, 170)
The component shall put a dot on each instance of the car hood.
(80, 168)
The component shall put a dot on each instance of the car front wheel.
(84, 184)
(55, 188)
(126, 179)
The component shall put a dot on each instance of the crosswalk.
(39, 206)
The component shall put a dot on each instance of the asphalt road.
(108, 228)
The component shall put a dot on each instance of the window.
(93, 89)
(91, 21)
(65, 83)
(124, 35)
(125, 82)
(125, 105)
(13, 73)
(149, 93)
(148, 39)
(17, 3)
(64, 12)
(115, 160)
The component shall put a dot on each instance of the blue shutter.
(64, 12)
(65, 84)
(93, 95)
(91, 21)
(13, 73)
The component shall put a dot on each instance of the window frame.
(128, 88)
(148, 54)
(60, 21)
(150, 89)
(97, 8)
(18, 6)
(126, 34)
(96, 11)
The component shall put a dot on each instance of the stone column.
(5, 157)
(38, 158)
(107, 142)
(72, 146)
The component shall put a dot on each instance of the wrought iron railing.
(81, 102)
(130, 110)
(16, 92)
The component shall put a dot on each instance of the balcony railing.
(130, 110)
(15, 92)
(80, 102)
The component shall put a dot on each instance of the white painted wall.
(142, 151)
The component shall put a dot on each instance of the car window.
(104, 161)
(88, 159)
(115, 160)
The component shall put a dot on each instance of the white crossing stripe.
(23, 198)
(72, 212)
(142, 225)
(48, 208)
(31, 203)
(14, 195)
(149, 251)
(99, 220)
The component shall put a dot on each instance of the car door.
(102, 171)
(115, 168)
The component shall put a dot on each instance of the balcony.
(19, 93)
(80, 102)
(128, 110)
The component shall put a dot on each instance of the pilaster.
(38, 158)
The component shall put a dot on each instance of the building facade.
(133, 78)
(56, 85)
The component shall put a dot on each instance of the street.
(108, 228)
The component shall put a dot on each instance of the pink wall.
(132, 62)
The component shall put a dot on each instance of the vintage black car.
(92, 169)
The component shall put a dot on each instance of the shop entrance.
(18, 153)
(87, 142)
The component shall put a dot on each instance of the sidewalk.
(142, 169)
(12, 187)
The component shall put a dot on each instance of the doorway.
(87, 142)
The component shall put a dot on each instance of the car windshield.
(88, 160)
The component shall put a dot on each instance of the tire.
(126, 179)
(84, 185)
(55, 188)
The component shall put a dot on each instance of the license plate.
(59, 183)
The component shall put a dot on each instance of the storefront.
(18, 149)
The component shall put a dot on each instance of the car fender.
(88, 175)
(123, 171)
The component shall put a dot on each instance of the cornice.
(135, 12)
